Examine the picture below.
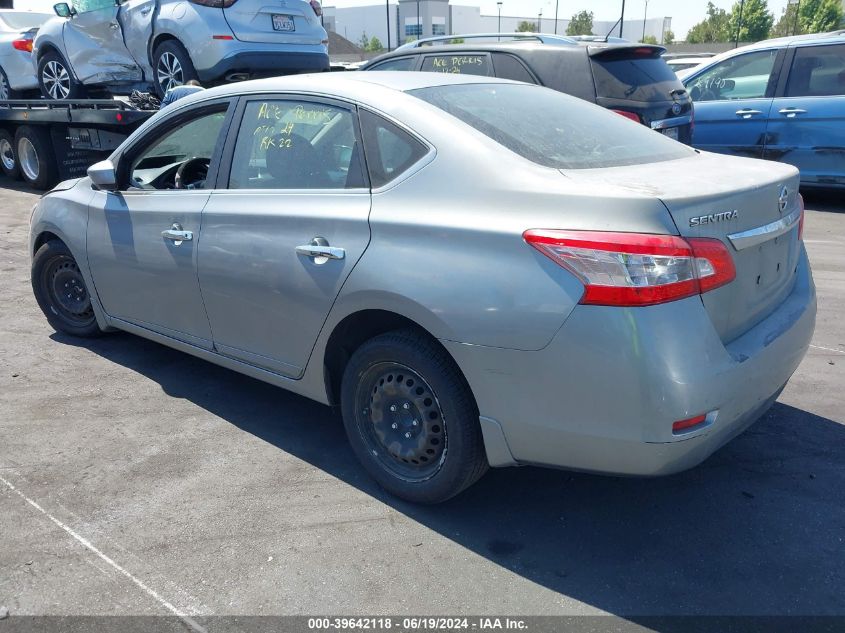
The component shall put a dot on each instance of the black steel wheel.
(411, 418)
(61, 291)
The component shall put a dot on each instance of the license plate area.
(671, 132)
(283, 23)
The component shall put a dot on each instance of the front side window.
(403, 63)
(179, 159)
(742, 77)
(84, 6)
(552, 129)
(296, 145)
(817, 71)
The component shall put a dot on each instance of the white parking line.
(829, 349)
(91, 547)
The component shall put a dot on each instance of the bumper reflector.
(684, 425)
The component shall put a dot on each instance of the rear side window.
(817, 71)
(295, 145)
(633, 78)
(509, 67)
(458, 64)
(390, 150)
(552, 129)
(403, 63)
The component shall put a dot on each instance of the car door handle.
(176, 234)
(747, 113)
(791, 112)
(114, 25)
(320, 250)
(146, 10)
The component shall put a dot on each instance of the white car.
(17, 31)
(160, 44)
(679, 64)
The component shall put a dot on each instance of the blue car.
(781, 99)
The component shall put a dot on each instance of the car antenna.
(610, 30)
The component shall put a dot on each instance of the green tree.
(526, 27)
(363, 41)
(787, 23)
(649, 39)
(756, 24)
(580, 24)
(819, 16)
(375, 45)
(669, 37)
(714, 28)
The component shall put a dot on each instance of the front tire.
(172, 66)
(56, 80)
(35, 156)
(411, 418)
(61, 291)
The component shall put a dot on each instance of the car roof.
(350, 85)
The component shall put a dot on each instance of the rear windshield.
(638, 79)
(552, 129)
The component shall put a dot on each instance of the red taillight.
(801, 219)
(628, 115)
(222, 37)
(636, 269)
(683, 425)
(318, 9)
(23, 44)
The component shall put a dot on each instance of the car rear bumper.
(261, 63)
(603, 395)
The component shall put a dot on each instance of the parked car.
(782, 100)
(677, 64)
(630, 79)
(479, 272)
(17, 31)
(165, 43)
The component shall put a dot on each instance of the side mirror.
(728, 84)
(103, 175)
(63, 10)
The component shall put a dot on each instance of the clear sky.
(684, 13)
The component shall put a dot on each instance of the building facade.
(399, 21)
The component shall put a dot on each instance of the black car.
(630, 79)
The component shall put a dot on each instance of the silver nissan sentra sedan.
(478, 272)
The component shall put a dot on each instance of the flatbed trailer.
(43, 142)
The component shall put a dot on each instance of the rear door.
(95, 46)
(136, 22)
(279, 241)
(807, 122)
(732, 101)
(280, 22)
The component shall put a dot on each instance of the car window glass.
(629, 76)
(553, 129)
(509, 67)
(296, 145)
(403, 63)
(180, 159)
(742, 77)
(84, 6)
(390, 150)
(817, 71)
(458, 64)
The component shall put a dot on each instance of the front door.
(136, 21)
(280, 240)
(95, 45)
(732, 101)
(807, 124)
(142, 240)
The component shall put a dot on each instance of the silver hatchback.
(479, 272)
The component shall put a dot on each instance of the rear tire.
(411, 418)
(56, 80)
(9, 156)
(172, 66)
(6, 91)
(61, 291)
(34, 154)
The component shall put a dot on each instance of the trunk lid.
(262, 21)
(715, 196)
